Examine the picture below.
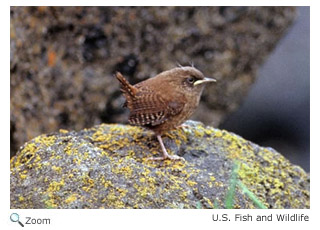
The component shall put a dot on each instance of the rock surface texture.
(63, 59)
(107, 167)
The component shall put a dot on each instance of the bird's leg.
(165, 153)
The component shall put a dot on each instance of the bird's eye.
(191, 80)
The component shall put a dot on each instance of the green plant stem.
(232, 187)
(254, 199)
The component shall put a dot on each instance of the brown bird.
(165, 101)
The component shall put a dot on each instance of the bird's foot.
(165, 154)
(184, 128)
(171, 157)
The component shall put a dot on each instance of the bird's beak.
(205, 80)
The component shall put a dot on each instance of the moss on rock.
(107, 167)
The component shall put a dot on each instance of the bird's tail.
(126, 87)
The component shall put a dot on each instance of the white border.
(152, 219)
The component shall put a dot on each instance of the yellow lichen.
(76, 161)
(71, 198)
(45, 140)
(57, 169)
(209, 202)
(55, 186)
(177, 175)
(23, 176)
(191, 183)
(88, 183)
(107, 184)
(63, 131)
(50, 202)
(125, 170)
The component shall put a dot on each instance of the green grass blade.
(232, 187)
(254, 199)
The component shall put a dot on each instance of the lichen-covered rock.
(107, 167)
(63, 59)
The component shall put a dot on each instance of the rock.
(106, 167)
(63, 59)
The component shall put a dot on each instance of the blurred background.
(63, 59)
(276, 111)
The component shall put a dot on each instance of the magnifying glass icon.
(14, 217)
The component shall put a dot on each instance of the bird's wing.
(150, 108)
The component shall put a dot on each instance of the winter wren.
(165, 101)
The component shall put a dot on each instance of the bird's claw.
(171, 157)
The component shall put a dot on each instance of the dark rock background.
(276, 111)
(63, 59)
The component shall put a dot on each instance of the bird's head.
(187, 79)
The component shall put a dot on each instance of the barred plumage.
(147, 107)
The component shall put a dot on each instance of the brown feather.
(150, 108)
(126, 87)
(146, 106)
(129, 91)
